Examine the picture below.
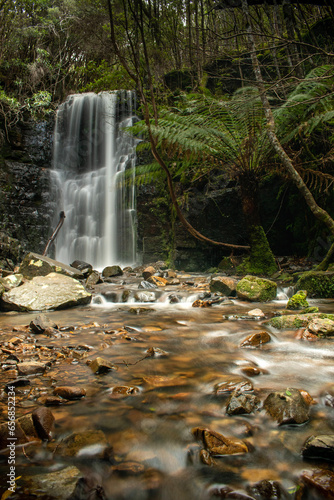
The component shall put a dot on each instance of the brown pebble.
(68, 392)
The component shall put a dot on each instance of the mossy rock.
(292, 321)
(256, 289)
(298, 301)
(319, 284)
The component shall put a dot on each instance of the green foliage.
(310, 105)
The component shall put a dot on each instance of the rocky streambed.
(163, 387)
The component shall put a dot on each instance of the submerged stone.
(69, 392)
(54, 291)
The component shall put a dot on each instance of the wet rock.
(239, 404)
(43, 421)
(128, 468)
(54, 291)
(18, 434)
(256, 289)
(174, 298)
(256, 313)
(34, 265)
(298, 301)
(251, 371)
(321, 446)
(156, 352)
(87, 444)
(206, 458)
(322, 327)
(57, 485)
(88, 488)
(290, 321)
(30, 368)
(19, 382)
(287, 407)
(145, 297)
(305, 334)
(225, 285)
(100, 365)
(124, 390)
(319, 481)
(140, 310)
(110, 271)
(146, 285)
(201, 303)
(41, 323)
(84, 267)
(256, 339)
(52, 401)
(232, 384)
(157, 280)
(69, 392)
(27, 425)
(267, 490)
(228, 492)
(148, 272)
(93, 279)
(11, 281)
(217, 444)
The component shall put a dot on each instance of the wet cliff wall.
(25, 205)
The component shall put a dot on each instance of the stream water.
(152, 427)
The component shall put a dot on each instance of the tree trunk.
(317, 211)
(261, 259)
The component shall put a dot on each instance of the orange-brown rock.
(217, 444)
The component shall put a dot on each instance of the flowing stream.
(93, 170)
(150, 428)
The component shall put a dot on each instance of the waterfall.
(93, 170)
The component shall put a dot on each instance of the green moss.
(317, 284)
(294, 321)
(256, 289)
(261, 259)
(298, 301)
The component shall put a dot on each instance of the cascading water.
(92, 154)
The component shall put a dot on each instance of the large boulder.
(54, 291)
(223, 284)
(317, 284)
(256, 289)
(34, 265)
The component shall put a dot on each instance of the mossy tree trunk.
(261, 259)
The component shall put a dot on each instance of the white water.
(91, 155)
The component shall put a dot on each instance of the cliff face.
(25, 204)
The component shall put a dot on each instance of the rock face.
(34, 265)
(256, 289)
(54, 291)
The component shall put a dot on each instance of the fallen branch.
(55, 232)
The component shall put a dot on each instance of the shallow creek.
(174, 393)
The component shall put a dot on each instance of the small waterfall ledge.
(93, 178)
